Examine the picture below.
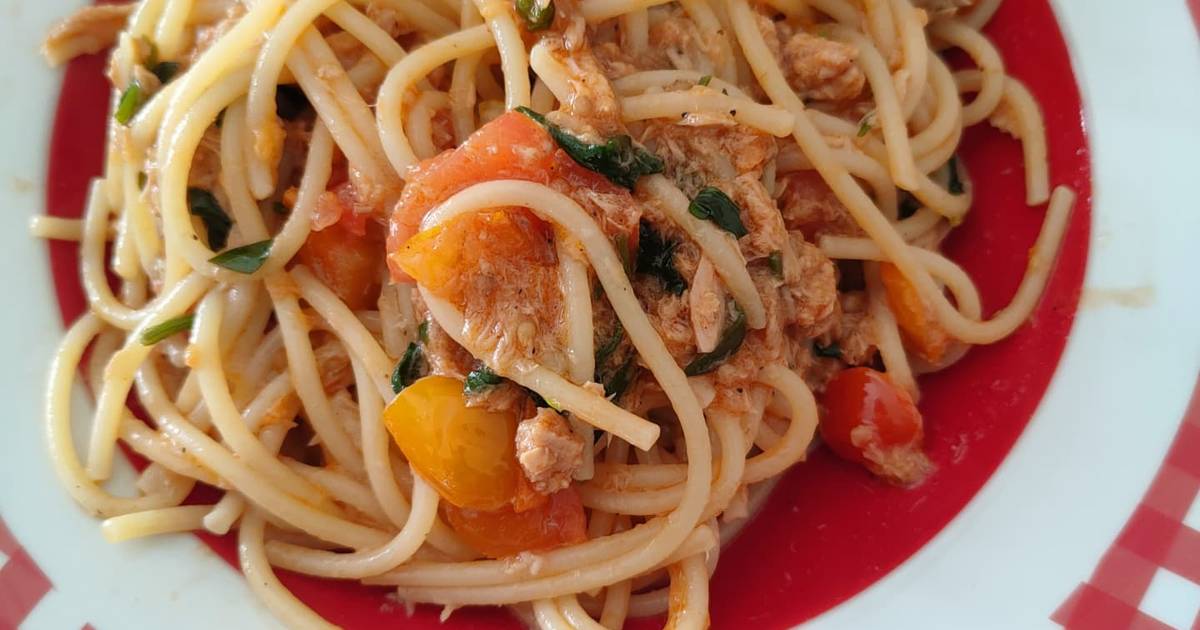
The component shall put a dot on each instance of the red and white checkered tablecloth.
(1156, 545)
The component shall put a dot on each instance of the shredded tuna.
(548, 451)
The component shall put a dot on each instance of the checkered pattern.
(1155, 547)
(22, 583)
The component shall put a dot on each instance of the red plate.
(830, 529)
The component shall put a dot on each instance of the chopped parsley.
(130, 102)
(158, 332)
(165, 70)
(423, 331)
(409, 369)
(776, 261)
(705, 80)
(617, 158)
(711, 204)
(955, 185)
(832, 351)
(656, 257)
(481, 378)
(537, 16)
(245, 259)
(203, 204)
(731, 340)
(866, 124)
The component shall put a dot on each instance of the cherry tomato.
(466, 453)
(505, 532)
(869, 420)
(444, 258)
(347, 262)
(919, 327)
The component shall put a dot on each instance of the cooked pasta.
(520, 303)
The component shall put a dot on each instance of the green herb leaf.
(617, 158)
(955, 185)
(217, 223)
(776, 260)
(865, 125)
(832, 351)
(621, 243)
(279, 208)
(656, 257)
(409, 369)
(537, 16)
(152, 55)
(480, 379)
(130, 102)
(621, 380)
(610, 344)
(423, 331)
(290, 102)
(705, 80)
(713, 205)
(245, 259)
(158, 332)
(908, 206)
(729, 343)
(165, 70)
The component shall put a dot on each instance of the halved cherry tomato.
(444, 257)
(466, 453)
(505, 532)
(510, 147)
(347, 262)
(918, 326)
(869, 420)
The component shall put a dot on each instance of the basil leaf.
(423, 331)
(832, 351)
(776, 260)
(480, 379)
(158, 332)
(711, 204)
(130, 102)
(729, 343)
(537, 17)
(621, 243)
(705, 80)
(245, 259)
(656, 257)
(290, 102)
(621, 380)
(610, 345)
(165, 70)
(955, 185)
(409, 369)
(203, 204)
(865, 125)
(617, 159)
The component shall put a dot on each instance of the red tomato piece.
(869, 420)
(505, 532)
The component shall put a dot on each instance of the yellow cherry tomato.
(466, 453)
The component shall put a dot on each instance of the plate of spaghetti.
(581, 314)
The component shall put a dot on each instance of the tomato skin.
(443, 258)
(345, 261)
(512, 146)
(871, 421)
(919, 328)
(500, 533)
(466, 453)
